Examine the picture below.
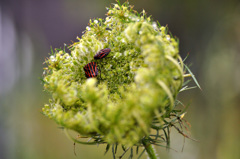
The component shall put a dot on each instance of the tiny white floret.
(88, 28)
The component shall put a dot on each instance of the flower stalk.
(150, 150)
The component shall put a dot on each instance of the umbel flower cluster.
(136, 87)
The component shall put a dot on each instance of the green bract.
(137, 82)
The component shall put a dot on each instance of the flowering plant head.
(136, 86)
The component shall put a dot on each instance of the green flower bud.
(136, 81)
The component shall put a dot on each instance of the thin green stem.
(77, 141)
(150, 151)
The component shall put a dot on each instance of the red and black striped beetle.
(91, 70)
(102, 53)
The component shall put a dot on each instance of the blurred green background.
(208, 30)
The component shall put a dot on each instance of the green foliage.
(136, 91)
